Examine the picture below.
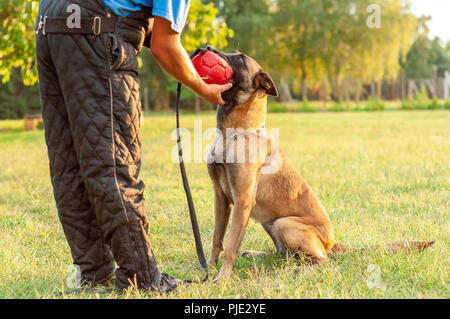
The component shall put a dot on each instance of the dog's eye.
(241, 59)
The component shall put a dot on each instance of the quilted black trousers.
(89, 91)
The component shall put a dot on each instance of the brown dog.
(261, 183)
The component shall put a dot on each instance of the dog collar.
(262, 130)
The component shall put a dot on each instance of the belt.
(95, 25)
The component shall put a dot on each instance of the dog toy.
(212, 68)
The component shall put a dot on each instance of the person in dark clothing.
(89, 90)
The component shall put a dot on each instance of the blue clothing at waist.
(175, 11)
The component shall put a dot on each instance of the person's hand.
(213, 92)
(167, 49)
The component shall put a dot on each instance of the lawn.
(382, 176)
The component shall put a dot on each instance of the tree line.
(315, 47)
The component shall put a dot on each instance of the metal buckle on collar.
(41, 25)
(97, 25)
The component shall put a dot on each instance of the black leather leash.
(193, 215)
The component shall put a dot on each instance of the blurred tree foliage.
(18, 66)
(312, 39)
(16, 99)
(424, 56)
(304, 42)
(17, 18)
(312, 44)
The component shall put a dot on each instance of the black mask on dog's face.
(248, 78)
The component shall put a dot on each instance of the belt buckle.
(97, 25)
(41, 25)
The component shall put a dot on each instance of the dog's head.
(248, 78)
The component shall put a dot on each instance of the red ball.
(212, 68)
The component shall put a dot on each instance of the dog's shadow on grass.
(269, 262)
(248, 265)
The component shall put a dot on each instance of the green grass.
(382, 176)
(421, 102)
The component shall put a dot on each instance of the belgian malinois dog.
(264, 186)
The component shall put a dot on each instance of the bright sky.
(439, 10)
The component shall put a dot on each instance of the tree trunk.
(146, 101)
(435, 81)
(304, 88)
(347, 89)
(379, 89)
(324, 94)
(285, 94)
(304, 82)
(358, 90)
(394, 91)
(412, 89)
(18, 84)
(403, 85)
(328, 68)
(372, 87)
(333, 87)
(197, 104)
(446, 84)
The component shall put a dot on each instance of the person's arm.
(167, 49)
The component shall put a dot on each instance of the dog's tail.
(410, 246)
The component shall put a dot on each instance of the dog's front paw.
(222, 276)
(213, 261)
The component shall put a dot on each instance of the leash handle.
(187, 190)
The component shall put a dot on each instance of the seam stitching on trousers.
(136, 263)
(114, 147)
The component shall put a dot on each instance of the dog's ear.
(264, 81)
